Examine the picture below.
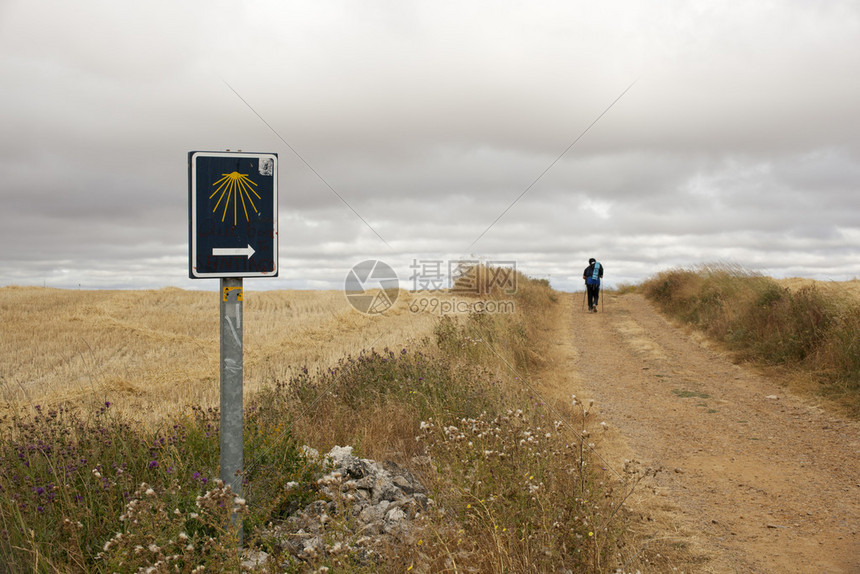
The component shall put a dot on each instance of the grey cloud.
(737, 142)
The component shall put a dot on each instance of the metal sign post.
(232, 233)
(231, 384)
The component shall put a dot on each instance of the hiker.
(592, 275)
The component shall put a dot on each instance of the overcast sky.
(738, 142)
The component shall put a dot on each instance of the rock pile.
(367, 506)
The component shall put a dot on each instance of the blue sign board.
(232, 214)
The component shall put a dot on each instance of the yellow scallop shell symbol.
(235, 188)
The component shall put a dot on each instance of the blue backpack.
(595, 275)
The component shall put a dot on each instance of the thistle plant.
(518, 489)
(187, 538)
(71, 494)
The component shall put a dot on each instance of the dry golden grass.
(849, 289)
(806, 329)
(153, 352)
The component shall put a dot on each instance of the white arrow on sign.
(217, 251)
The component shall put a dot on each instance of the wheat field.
(152, 352)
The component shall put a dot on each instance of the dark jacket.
(589, 272)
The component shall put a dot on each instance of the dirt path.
(755, 480)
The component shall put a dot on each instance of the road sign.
(232, 214)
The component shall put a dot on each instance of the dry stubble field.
(153, 352)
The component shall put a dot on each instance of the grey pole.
(231, 387)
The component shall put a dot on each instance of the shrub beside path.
(755, 479)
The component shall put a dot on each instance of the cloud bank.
(739, 140)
